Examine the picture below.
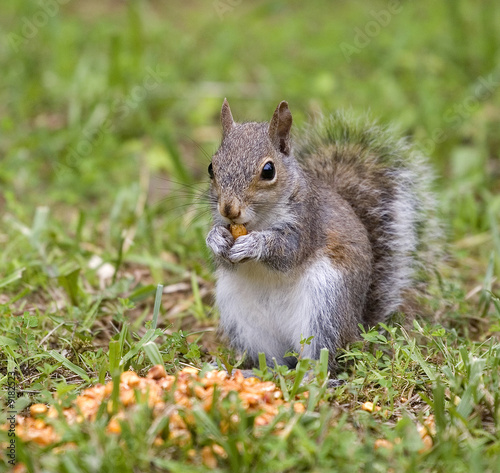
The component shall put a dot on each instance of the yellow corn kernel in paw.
(237, 230)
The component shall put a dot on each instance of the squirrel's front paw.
(220, 241)
(247, 247)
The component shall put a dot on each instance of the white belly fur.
(266, 311)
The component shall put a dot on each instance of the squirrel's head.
(253, 173)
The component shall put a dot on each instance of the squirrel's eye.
(268, 171)
(210, 171)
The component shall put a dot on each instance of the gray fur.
(332, 238)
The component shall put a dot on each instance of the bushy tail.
(387, 183)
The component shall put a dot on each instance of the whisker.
(198, 145)
(193, 193)
(195, 185)
(197, 217)
(188, 195)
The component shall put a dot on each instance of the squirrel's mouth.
(239, 224)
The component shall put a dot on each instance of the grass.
(108, 117)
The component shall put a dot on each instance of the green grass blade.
(70, 284)
(149, 336)
(123, 337)
(156, 309)
(114, 355)
(209, 425)
(17, 274)
(7, 342)
(153, 353)
(70, 366)
(416, 354)
(198, 304)
(300, 372)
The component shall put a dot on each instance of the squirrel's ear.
(279, 128)
(226, 117)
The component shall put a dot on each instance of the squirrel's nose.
(230, 210)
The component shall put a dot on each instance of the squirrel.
(336, 224)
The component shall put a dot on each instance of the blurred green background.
(109, 111)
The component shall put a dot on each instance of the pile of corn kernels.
(187, 388)
(175, 397)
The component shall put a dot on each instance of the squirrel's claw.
(246, 247)
(220, 240)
